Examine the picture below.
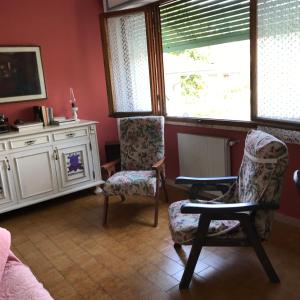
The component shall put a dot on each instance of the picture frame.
(21, 74)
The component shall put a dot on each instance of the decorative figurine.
(74, 106)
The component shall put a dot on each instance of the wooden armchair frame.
(235, 211)
(159, 168)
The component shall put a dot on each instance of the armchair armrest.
(110, 167)
(198, 208)
(205, 181)
(158, 166)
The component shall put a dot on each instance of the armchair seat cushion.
(130, 183)
(183, 227)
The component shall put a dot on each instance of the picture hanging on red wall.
(21, 74)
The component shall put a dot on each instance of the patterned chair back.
(261, 175)
(141, 142)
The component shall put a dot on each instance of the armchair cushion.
(183, 227)
(130, 183)
(141, 142)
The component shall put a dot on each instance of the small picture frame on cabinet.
(21, 74)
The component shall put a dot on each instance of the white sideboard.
(41, 165)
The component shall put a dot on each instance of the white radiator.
(203, 156)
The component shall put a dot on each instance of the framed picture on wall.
(21, 74)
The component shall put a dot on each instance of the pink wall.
(290, 201)
(69, 35)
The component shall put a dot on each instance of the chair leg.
(195, 252)
(156, 210)
(105, 210)
(177, 246)
(163, 183)
(260, 252)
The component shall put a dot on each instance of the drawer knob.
(31, 142)
(71, 134)
(55, 154)
(7, 163)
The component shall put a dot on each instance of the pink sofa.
(16, 280)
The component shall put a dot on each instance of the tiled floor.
(67, 248)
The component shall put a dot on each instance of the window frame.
(154, 42)
(156, 69)
(284, 124)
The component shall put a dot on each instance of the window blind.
(278, 60)
(188, 24)
(127, 44)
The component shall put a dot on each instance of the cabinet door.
(35, 173)
(74, 164)
(7, 190)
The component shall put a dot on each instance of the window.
(278, 60)
(133, 62)
(129, 59)
(206, 60)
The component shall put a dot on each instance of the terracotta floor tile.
(158, 277)
(51, 278)
(74, 274)
(62, 262)
(85, 287)
(100, 294)
(169, 266)
(114, 285)
(63, 290)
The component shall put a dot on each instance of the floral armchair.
(243, 214)
(142, 162)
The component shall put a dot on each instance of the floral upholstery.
(260, 180)
(141, 145)
(141, 142)
(184, 226)
(130, 183)
(261, 175)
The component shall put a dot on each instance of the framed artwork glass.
(21, 74)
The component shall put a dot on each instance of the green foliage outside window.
(191, 85)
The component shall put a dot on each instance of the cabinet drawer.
(29, 141)
(70, 134)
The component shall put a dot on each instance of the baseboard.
(287, 220)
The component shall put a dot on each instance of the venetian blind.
(190, 24)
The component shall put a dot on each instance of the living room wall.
(69, 36)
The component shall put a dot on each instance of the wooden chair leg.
(195, 252)
(177, 246)
(156, 210)
(105, 210)
(163, 183)
(260, 252)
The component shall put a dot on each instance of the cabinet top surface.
(50, 128)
